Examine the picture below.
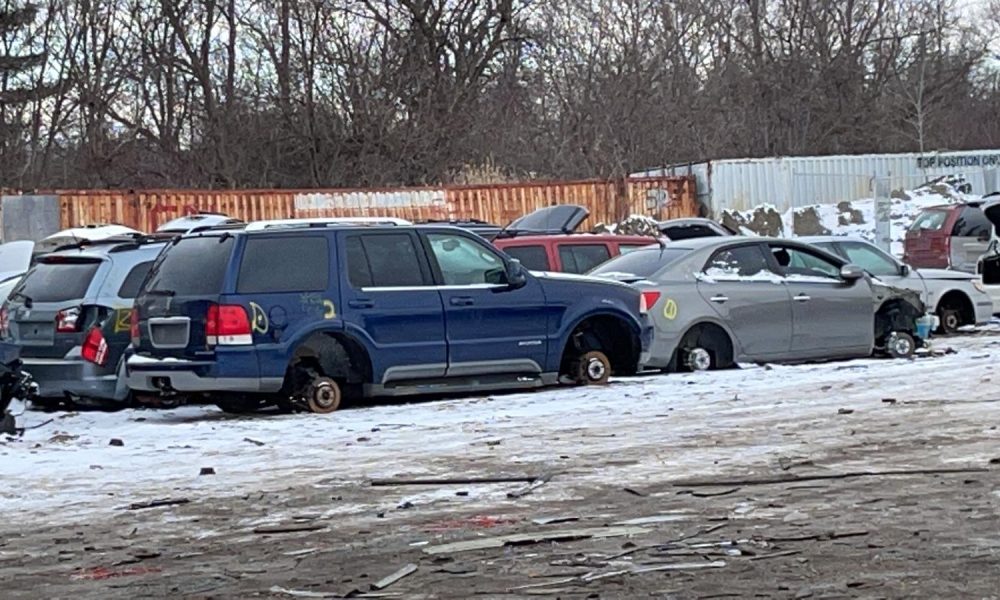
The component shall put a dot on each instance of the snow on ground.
(906, 205)
(662, 426)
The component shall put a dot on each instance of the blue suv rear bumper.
(227, 373)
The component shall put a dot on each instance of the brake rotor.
(593, 368)
(323, 395)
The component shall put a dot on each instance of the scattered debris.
(102, 573)
(848, 475)
(207, 471)
(531, 487)
(254, 442)
(456, 480)
(158, 503)
(303, 593)
(829, 535)
(385, 582)
(845, 411)
(715, 564)
(889, 400)
(654, 519)
(633, 492)
(713, 494)
(116, 442)
(562, 535)
(776, 554)
(554, 520)
(290, 528)
(477, 522)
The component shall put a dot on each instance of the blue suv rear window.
(193, 266)
(284, 264)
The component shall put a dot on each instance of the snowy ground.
(68, 531)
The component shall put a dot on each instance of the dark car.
(951, 236)
(70, 316)
(545, 240)
(297, 314)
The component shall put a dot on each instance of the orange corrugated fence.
(607, 200)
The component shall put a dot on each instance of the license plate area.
(169, 332)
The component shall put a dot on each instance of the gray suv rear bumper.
(58, 378)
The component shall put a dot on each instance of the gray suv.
(71, 316)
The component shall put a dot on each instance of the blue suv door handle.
(361, 303)
(460, 300)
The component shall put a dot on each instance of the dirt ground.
(786, 510)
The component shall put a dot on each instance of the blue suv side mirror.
(516, 275)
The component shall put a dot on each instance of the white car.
(956, 297)
(988, 267)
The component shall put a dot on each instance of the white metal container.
(794, 181)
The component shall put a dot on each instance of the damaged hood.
(884, 292)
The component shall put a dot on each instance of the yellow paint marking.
(670, 309)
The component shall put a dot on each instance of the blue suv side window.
(383, 260)
(284, 264)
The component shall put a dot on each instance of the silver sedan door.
(830, 317)
(751, 298)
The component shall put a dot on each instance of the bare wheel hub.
(593, 368)
(698, 359)
(323, 395)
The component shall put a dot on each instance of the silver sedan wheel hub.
(698, 359)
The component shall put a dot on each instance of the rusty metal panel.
(607, 200)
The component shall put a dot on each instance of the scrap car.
(547, 240)
(716, 301)
(302, 313)
(957, 298)
(70, 314)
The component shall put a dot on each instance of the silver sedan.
(715, 301)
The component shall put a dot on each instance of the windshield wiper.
(161, 293)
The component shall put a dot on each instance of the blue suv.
(301, 313)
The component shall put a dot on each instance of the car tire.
(592, 368)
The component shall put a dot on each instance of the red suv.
(951, 236)
(544, 240)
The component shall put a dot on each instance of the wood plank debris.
(691, 566)
(454, 480)
(157, 503)
(776, 554)
(404, 571)
(289, 528)
(559, 535)
(820, 477)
